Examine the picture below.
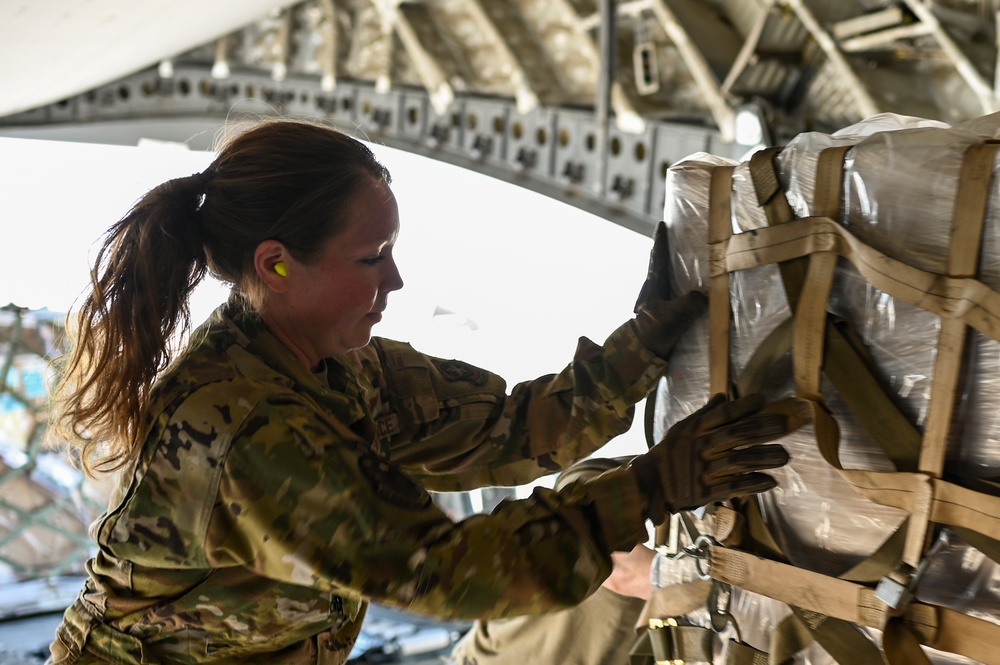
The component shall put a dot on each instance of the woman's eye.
(375, 260)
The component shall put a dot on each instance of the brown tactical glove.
(659, 320)
(712, 455)
(660, 323)
(657, 284)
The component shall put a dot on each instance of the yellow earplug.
(279, 268)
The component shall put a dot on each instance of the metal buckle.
(897, 593)
(720, 598)
(665, 640)
(700, 550)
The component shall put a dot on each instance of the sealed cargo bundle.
(853, 278)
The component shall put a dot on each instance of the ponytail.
(122, 335)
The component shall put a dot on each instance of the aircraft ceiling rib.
(748, 51)
(323, 19)
(366, 51)
(428, 67)
(842, 71)
(220, 60)
(704, 76)
(983, 92)
(497, 61)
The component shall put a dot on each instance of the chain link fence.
(46, 504)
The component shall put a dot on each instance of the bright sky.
(531, 274)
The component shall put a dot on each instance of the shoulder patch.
(391, 484)
(456, 370)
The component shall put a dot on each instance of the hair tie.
(202, 179)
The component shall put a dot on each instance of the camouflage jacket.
(270, 502)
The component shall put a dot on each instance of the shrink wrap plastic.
(900, 182)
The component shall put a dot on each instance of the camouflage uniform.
(264, 509)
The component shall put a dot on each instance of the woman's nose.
(392, 280)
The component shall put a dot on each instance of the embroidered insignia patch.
(391, 484)
(387, 425)
(456, 370)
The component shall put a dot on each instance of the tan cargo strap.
(767, 186)
(847, 363)
(667, 642)
(871, 569)
(738, 653)
(966, 299)
(720, 229)
(841, 639)
(963, 262)
(936, 627)
(676, 645)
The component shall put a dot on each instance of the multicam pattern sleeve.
(453, 426)
(299, 502)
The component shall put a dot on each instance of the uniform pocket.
(421, 386)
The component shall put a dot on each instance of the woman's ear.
(271, 261)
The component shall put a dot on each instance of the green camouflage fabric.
(270, 503)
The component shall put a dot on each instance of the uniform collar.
(337, 389)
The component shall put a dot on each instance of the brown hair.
(285, 180)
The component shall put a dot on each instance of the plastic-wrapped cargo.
(898, 196)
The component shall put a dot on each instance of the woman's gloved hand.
(659, 320)
(712, 455)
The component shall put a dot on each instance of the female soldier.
(273, 476)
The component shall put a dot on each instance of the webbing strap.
(764, 175)
(777, 343)
(987, 546)
(810, 325)
(972, 197)
(839, 638)
(962, 298)
(691, 644)
(936, 627)
(880, 562)
(698, 649)
(963, 261)
(871, 569)
(850, 368)
(847, 364)
(829, 187)
(668, 642)
(811, 304)
(675, 600)
(796, 586)
(901, 645)
(719, 310)
(740, 653)
(948, 504)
